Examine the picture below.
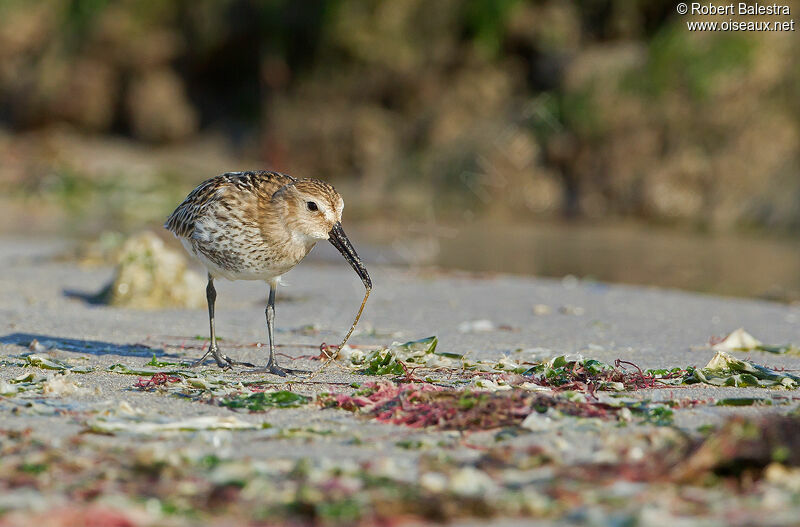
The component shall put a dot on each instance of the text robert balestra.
(741, 8)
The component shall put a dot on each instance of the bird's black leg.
(272, 363)
(222, 360)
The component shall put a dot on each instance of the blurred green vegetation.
(511, 109)
(675, 64)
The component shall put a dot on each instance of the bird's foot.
(223, 361)
(198, 362)
(277, 370)
(227, 362)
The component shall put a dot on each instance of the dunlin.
(257, 226)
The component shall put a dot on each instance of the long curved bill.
(339, 239)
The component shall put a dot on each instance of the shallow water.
(739, 265)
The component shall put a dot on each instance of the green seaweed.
(204, 337)
(390, 360)
(340, 511)
(563, 370)
(665, 372)
(726, 370)
(34, 468)
(302, 433)
(410, 444)
(414, 348)
(260, 401)
(469, 400)
(788, 349)
(46, 363)
(160, 364)
(449, 355)
(129, 370)
(382, 362)
(659, 415)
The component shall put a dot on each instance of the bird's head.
(311, 210)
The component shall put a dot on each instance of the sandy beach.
(482, 317)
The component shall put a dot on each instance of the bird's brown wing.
(263, 184)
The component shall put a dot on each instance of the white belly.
(258, 267)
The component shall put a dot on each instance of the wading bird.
(257, 226)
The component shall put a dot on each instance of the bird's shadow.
(90, 347)
(97, 298)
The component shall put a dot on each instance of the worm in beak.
(339, 239)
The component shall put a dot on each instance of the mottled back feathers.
(262, 184)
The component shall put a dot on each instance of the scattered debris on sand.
(474, 439)
(741, 340)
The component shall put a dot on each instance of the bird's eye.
(312, 206)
